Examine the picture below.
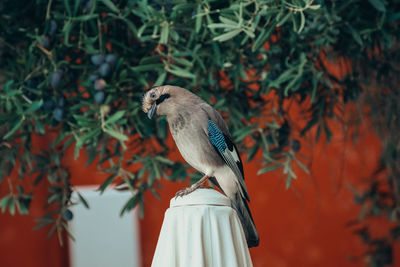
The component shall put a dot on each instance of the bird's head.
(155, 100)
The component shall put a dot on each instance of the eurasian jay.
(203, 139)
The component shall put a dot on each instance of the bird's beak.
(152, 110)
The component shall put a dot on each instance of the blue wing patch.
(216, 137)
(227, 150)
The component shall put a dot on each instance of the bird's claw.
(188, 190)
(183, 192)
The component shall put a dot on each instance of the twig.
(27, 78)
(7, 44)
(295, 8)
(80, 36)
(104, 110)
(48, 9)
(100, 35)
(44, 50)
(48, 54)
(10, 185)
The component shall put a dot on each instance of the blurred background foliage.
(74, 71)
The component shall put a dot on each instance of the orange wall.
(302, 226)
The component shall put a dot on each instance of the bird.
(204, 141)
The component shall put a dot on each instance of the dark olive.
(55, 78)
(99, 97)
(99, 84)
(296, 145)
(97, 59)
(48, 104)
(105, 69)
(58, 114)
(68, 215)
(45, 42)
(53, 27)
(111, 59)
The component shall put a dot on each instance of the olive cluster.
(46, 40)
(104, 64)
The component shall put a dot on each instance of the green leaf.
(284, 19)
(221, 26)
(68, 143)
(164, 33)
(310, 124)
(164, 160)
(156, 195)
(11, 205)
(23, 206)
(8, 84)
(4, 203)
(131, 203)
(161, 78)
(76, 6)
(39, 127)
(67, 229)
(305, 169)
(270, 168)
(86, 17)
(228, 21)
(393, 17)
(227, 36)
(355, 35)
(262, 38)
(302, 22)
(77, 148)
(252, 152)
(84, 121)
(183, 62)
(378, 4)
(115, 117)
(198, 19)
(180, 72)
(147, 67)
(318, 134)
(89, 135)
(110, 5)
(43, 224)
(67, 7)
(34, 106)
(288, 182)
(120, 136)
(14, 128)
(83, 200)
(52, 230)
(38, 178)
(328, 132)
(314, 7)
(243, 132)
(67, 30)
(141, 208)
(106, 183)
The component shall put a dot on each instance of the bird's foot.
(189, 189)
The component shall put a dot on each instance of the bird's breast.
(193, 143)
(179, 122)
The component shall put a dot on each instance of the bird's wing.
(213, 115)
(228, 151)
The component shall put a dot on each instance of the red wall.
(302, 226)
(305, 225)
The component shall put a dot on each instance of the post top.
(201, 196)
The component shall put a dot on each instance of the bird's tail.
(242, 209)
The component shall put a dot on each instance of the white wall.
(102, 237)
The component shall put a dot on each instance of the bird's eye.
(153, 95)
